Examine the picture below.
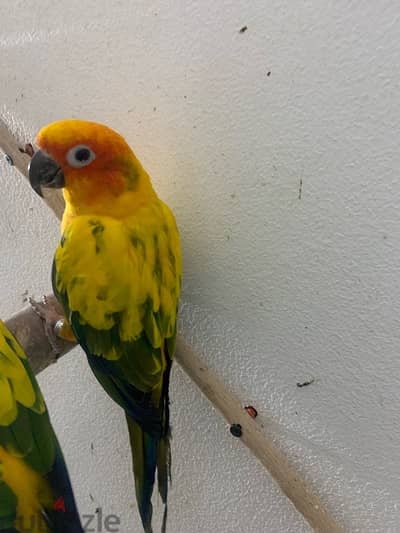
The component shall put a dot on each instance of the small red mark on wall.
(252, 411)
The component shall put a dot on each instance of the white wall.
(277, 289)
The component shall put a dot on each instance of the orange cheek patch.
(90, 186)
(109, 181)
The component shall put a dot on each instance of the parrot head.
(90, 161)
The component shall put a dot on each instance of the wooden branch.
(20, 160)
(27, 329)
(257, 440)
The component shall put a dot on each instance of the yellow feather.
(15, 383)
(6, 335)
(8, 406)
(32, 492)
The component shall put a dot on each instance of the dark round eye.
(83, 154)
(80, 156)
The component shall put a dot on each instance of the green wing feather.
(119, 284)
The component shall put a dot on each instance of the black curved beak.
(44, 172)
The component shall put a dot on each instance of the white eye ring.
(80, 156)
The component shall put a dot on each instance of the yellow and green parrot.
(35, 490)
(117, 274)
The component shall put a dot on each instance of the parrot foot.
(56, 327)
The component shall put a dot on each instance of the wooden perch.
(28, 329)
(15, 156)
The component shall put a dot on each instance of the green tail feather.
(148, 455)
(164, 474)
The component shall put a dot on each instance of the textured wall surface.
(278, 149)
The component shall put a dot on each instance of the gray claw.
(52, 322)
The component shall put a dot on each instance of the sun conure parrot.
(117, 274)
(35, 491)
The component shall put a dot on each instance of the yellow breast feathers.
(123, 272)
